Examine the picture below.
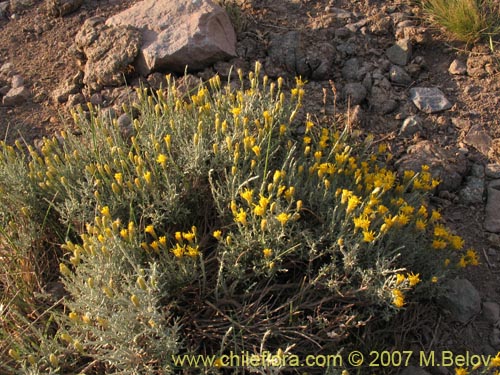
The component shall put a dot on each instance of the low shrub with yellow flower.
(214, 213)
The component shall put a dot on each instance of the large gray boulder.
(176, 34)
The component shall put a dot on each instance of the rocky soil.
(370, 64)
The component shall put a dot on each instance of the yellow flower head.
(472, 257)
(283, 218)
(440, 231)
(435, 216)
(413, 279)
(352, 203)
(400, 278)
(289, 193)
(456, 242)
(362, 222)
(162, 160)
(155, 246)
(368, 236)
(422, 211)
(398, 298)
(217, 234)
(407, 210)
(402, 219)
(461, 371)
(256, 150)
(267, 253)
(105, 211)
(188, 236)
(178, 251)
(162, 240)
(247, 195)
(263, 202)
(259, 210)
(282, 129)
(381, 209)
(151, 230)
(193, 251)
(420, 224)
(495, 362)
(438, 244)
(241, 217)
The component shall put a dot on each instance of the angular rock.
(124, 121)
(109, 52)
(461, 299)
(342, 33)
(75, 99)
(354, 27)
(351, 70)
(457, 67)
(399, 75)
(59, 8)
(176, 34)
(16, 96)
(491, 312)
(492, 211)
(339, 13)
(7, 70)
(348, 48)
(67, 88)
(354, 93)
(96, 99)
(380, 24)
(492, 171)
(291, 53)
(18, 5)
(4, 6)
(448, 166)
(400, 53)
(495, 338)
(476, 65)
(157, 81)
(320, 60)
(472, 192)
(477, 170)
(416, 34)
(380, 100)
(367, 81)
(411, 125)
(230, 68)
(16, 81)
(429, 99)
(478, 138)
(412, 370)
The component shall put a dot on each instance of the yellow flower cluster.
(407, 281)
(186, 244)
(424, 181)
(443, 238)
